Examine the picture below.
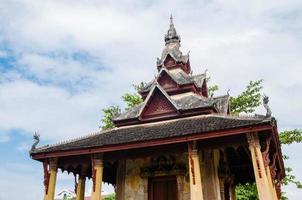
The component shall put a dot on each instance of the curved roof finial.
(172, 36)
(171, 20)
(265, 100)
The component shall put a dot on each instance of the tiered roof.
(175, 92)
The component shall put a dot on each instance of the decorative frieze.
(163, 165)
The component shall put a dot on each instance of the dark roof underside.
(159, 130)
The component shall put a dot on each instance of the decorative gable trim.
(157, 103)
(169, 61)
(183, 59)
(165, 80)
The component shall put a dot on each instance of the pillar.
(97, 177)
(271, 183)
(195, 173)
(210, 179)
(233, 192)
(261, 178)
(80, 194)
(52, 174)
(120, 180)
(222, 189)
(180, 186)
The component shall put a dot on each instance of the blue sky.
(62, 61)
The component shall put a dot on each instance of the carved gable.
(169, 61)
(157, 105)
(166, 82)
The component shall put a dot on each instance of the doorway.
(162, 188)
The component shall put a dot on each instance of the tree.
(288, 138)
(110, 197)
(246, 102)
(130, 99)
(108, 115)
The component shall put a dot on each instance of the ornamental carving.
(93, 174)
(166, 81)
(158, 104)
(265, 151)
(169, 61)
(46, 176)
(163, 165)
(192, 150)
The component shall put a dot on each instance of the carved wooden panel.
(169, 61)
(158, 105)
(166, 82)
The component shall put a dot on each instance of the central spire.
(172, 36)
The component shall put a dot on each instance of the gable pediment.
(169, 61)
(157, 103)
(166, 81)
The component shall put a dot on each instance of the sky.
(63, 61)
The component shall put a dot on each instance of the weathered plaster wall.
(134, 184)
(136, 187)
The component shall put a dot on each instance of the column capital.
(53, 163)
(97, 156)
(252, 139)
(192, 148)
(97, 159)
(83, 171)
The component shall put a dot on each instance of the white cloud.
(51, 91)
(52, 111)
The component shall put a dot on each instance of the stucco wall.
(136, 187)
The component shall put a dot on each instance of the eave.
(156, 142)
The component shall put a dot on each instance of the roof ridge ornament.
(172, 36)
(265, 100)
(171, 20)
(36, 138)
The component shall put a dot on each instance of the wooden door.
(163, 188)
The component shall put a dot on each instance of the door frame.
(160, 178)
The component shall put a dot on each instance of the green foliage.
(212, 89)
(110, 197)
(248, 100)
(289, 137)
(290, 178)
(132, 99)
(108, 115)
(246, 192)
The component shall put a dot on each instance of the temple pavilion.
(179, 144)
